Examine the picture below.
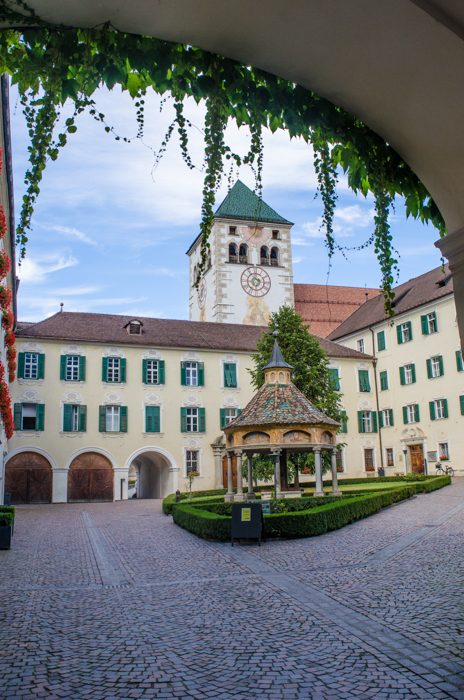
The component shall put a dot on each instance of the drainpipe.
(377, 399)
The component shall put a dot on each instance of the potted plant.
(8, 509)
(6, 528)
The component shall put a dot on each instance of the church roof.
(241, 203)
(280, 404)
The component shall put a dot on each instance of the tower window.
(276, 235)
(232, 230)
(274, 256)
(233, 255)
(264, 255)
(243, 253)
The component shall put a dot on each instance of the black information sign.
(247, 521)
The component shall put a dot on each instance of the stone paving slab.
(114, 601)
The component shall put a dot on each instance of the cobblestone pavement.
(113, 601)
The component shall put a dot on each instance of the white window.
(72, 368)
(113, 369)
(410, 414)
(435, 362)
(408, 374)
(191, 373)
(405, 334)
(152, 371)
(29, 416)
(439, 409)
(386, 417)
(231, 414)
(191, 461)
(360, 345)
(112, 419)
(31, 361)
(432, 322)
(369, 460)
(192, 420)
(367, 422)
(443, 450)
(390, 457)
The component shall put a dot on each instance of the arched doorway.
(90, 478)
(154, 474)
(28, 477)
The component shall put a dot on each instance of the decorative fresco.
(256, 439)
(297, 436)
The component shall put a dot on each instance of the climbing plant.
(55, 64)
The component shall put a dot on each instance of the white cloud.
(166, 272)
(355, 215)
(71, 232)
(298, 260)
(36, 270)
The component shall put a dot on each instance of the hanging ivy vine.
(55, 64)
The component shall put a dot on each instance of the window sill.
(72, 382)
(146, 385)
(30, 382)
(113, 385)
(71, 433)
(192, 387)
(112, 434)
(149, 435)
(28, 433)
(230, 388)
(197, 432)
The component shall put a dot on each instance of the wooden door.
(90, 478)
(417, 459)
(29, 477)
(234, 471)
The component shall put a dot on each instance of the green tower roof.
(242, 203)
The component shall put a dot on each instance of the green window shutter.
(429, 369)
(374, 421)
(381, 341)
(201, 420)
(399, 335)
(222, 417)
(335, 378)
(381, 419)
(440, 362)
(459, 364)
(343, 422)
(40, 422)
(461, 403)
(402, 376)
(416, 413)
(230, 374)
(183, 375)
(82, 368)
(445, 408)
(183, 419)
(102, 417)
(383, 381)
(364, 380)
(40, 366)
(123, 419)
(18, 410)
(104, 369)
(160, 371)
(122, 371)
(63, 359)
(432, 410)
(405, 415)
(239, 410)
(67, 417)
(156, 419)
(152, 419)
(425, 325)
(21, 363)
(409, 329)
(82, 418)
(144, 371)
(360, 422)
(413, 373)
(390, 410)
(201, 373)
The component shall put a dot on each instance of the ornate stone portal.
(279, 420)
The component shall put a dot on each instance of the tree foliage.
(55, 64)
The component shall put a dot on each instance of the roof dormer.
(134, 327)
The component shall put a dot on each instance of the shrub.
(7, 509)
(170, 501)
(6, 519)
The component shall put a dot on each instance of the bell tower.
(249, 272)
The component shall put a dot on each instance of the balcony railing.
(264, 261)
(243, 259)
(233, 258)
(274, 262)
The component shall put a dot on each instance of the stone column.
(229, 497)
(250, 496)
(335, 489)
(319, 486)
(218, 477)
(279, 483)
(239, 496)
(297, 478)
(283, 471)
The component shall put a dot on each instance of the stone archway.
(90, 478)
(29, 478)
(154, 473)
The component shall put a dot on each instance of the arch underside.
(153, 475)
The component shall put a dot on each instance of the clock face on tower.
(256, 282)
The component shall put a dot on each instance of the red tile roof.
(324, 307)
(416, 292)
(159, 332)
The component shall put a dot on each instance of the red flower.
(5, 264)
(5, 297)
(3, 228)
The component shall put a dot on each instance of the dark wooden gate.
(90, 478)
(28, 477)
(417, 459)
(234, 471)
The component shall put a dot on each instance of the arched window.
(208, 262)
(274, 256)
(264, 255)
(243, 253)
(195, 273)
(233, 256)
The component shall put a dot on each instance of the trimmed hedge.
(7, 509)
(312, 521)
(367, 480)
(170, 501)
(6, 519)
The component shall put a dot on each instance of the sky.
(110, 233)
